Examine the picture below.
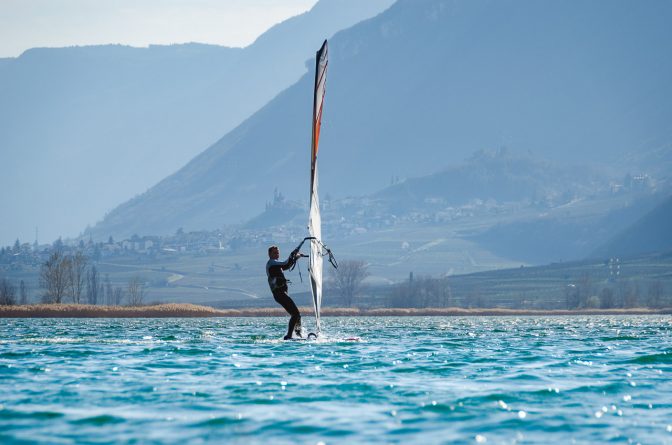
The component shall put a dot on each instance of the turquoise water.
(409, 380)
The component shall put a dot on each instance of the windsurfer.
(278, 284)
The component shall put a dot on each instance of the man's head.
(274, 252)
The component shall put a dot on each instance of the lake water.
(409, 380)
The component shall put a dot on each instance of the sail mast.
(314, 217)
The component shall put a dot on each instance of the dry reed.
(193, 310)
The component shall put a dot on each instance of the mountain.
(650, 234)
(569, 232)
(515, 206)
(493, 175)
(654, 161)
(83, 129)
(425, 84)
(519, 207)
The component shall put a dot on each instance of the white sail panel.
(314, 218)
(315, 229)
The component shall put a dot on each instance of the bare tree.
(571, 296)
(431, 292)
(475, 298)
(101, 293)
(54, 277)
(93, 285)
(424, 291)
(109, 298)
(117, 296)
(347, 279)
(585, 289)
(443, 292)
(421, 292)
(136, 291)
(7, 293)
(627, 293)
(23, 293)
(77, 275)
(402, 295)
(655, 294)
(607, 298)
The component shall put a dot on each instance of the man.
(278, 284)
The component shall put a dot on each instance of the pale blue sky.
(27, 24)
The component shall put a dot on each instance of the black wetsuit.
(278, 284)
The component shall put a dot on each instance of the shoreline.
(187, 310)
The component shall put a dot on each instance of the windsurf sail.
(314, 218)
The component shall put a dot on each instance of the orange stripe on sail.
(316, 132)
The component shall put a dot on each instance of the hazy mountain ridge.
(497, 175)
(412, 89)
(96, 125)
(650, 233)
(556, 237)
(515, 206)
(655, 161)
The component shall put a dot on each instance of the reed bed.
(193, 310)
(480, 312)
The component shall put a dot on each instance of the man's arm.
(281, 264)
(284, 265)
(291, 260)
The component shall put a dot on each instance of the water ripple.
(415, 379)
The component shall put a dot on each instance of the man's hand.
(295, 253)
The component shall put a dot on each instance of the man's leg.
(295, 316)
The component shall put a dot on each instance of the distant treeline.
(70, 277)
(642, 282)
(586, 292)
(558, 287)
(505, 289)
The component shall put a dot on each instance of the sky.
(28, 24)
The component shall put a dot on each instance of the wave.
(649, 359)
(103, 419)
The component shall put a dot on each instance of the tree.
(443, 292)
(571, 296)
(101, 293)
(628, 294)
(117, 296)
(92, 285)
(23, 293)
(77, 275)
(109, 298)
(402, 295)
(421, 292)
(7, 293)
(433, 292)
(136, 291)
(607, 300)
(655, 294)
(347, 279)
(593, 302)
(585, 289)
(54, 277)
(475, 298)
